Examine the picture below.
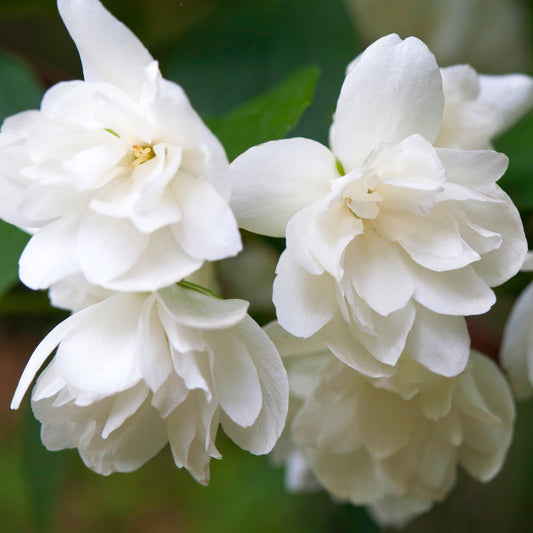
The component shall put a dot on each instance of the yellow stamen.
(142, 154)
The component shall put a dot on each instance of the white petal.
(349, 349)
(275, 180)
(196, 310)
(289, 345)
(124, 406)
(324, 235)
(235, 378)
(379, 274)
(393, 91)
(101, 354)
(194, 370)
(441, 343)
(170, 395)
(503, 218)
(50, 255)
(162, 264)
(108, 49)
(43, 350)
(433, 242)
(263, 434)
(390, 334)
(511, 96)
(156, 362)
(108, 247)
(208, 229)
(304, 303)
(517, 345)
(473, 168)
(178, 121)
(456, 292)
(140, 438)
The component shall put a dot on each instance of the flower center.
(142, 154)
(361, 199)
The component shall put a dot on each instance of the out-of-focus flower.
(117, 176)
(391, 443)
(136, 371)
(478, 108)
(517, 345)
(456, 31)
(385, 226)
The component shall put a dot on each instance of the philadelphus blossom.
(117, 177)
(138, 370)
(386, 226)
(392, 443)
(517, 345)
(455, 31)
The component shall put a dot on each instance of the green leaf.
(245, 47)
(43, 473)
(19, 87)
(19, 90)
(518, 180)
(269, 116)
(12, 241)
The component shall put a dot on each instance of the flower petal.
(200, 311)
(162, 264)
(455, 292)
(441, 343)
(265, 431)
(101, 354)
(107, 247)
(109, 51)
(503, 218)
(50, 255)
(393, 91)
(517, 345)
(43, 350)
(511, 96)
(235, 377)
(379, 274)
(208, 229)
(474, 169)
(304, 302)
(156, 362)
(275, 180)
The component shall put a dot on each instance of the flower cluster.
(391, 443)
(394, 235)
(126, 193)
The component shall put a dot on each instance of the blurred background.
(224, 52)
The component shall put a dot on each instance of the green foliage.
(19, 90)
(43, 473)
(518, 180)
(12, 241)
(245, 47)
(269, 116)
(19, 87)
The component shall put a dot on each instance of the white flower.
(517, 345)
(384, 226)
(136, 371)
(117, 176)
(391, 443)
(462, 30)
(478, 108)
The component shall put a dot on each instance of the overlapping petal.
(394, 90)
(125, 159)
(411, 220)
(393, 443)
(176, 363)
